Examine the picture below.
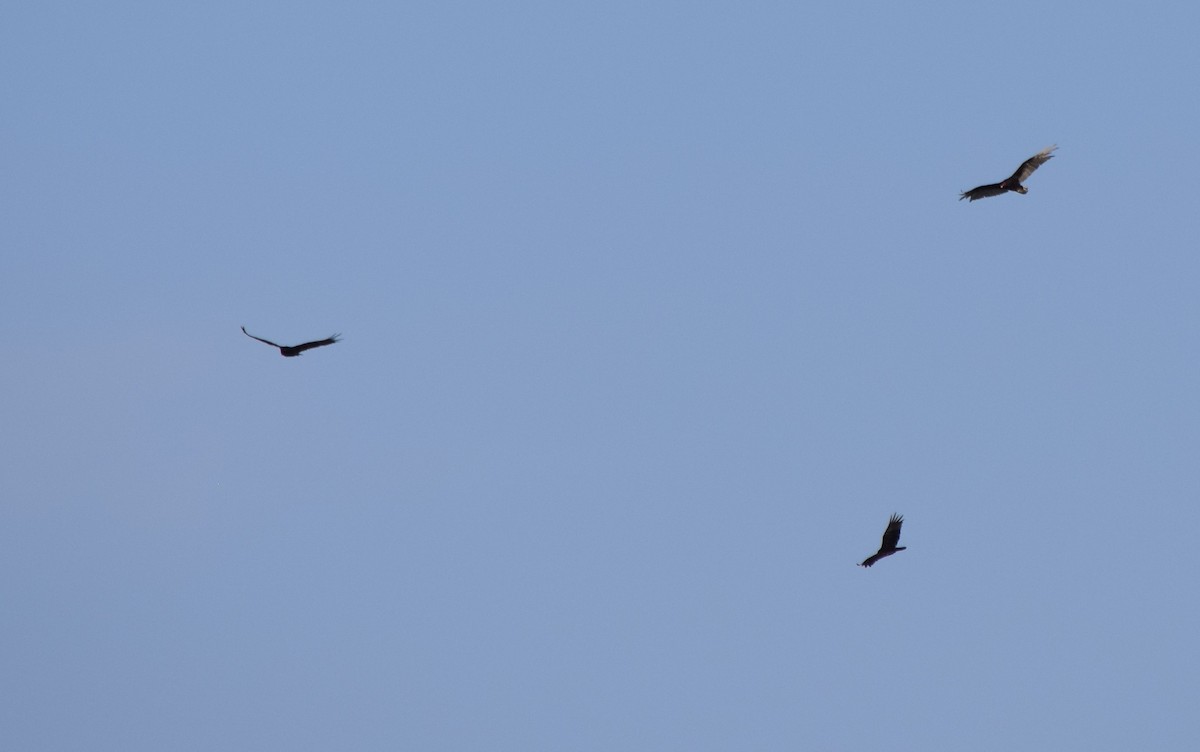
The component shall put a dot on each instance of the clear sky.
(652, 314)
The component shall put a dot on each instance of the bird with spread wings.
(1012, 182)
(291, 351)
(891, 537)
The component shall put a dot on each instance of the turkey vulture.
(891, 537)
(291, 351)
(1013, 182)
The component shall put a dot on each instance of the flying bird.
(291, 351)
(1013, 182)
(891, 537)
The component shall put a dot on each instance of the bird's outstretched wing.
(260, 339)
(1029, 165)
(1032, 163)
(872, 559)
(983, 191)
(891, 536)
(318, 343)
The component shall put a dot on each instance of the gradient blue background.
(652, 314)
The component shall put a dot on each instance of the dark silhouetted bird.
(1013, 182)
(891, 537)
(291, 351)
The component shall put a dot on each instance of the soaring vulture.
(891, 537)
(291, 351)
(1012, 182)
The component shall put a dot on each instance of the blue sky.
(652, 315)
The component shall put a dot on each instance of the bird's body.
(1012, 182)
(291, 351)
(891, 537)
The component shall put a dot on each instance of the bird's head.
(1021, 189)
